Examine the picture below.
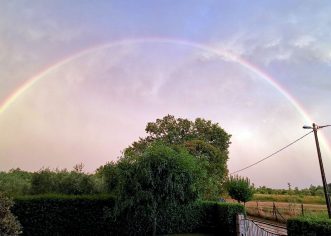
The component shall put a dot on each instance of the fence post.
(274, 211)
(257, 208)
(240, 229)
(302, 212)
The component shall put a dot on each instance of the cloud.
(304, 41)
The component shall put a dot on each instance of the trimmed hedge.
(63, 215)
(201, 217)
(92, 215)
(305, 226)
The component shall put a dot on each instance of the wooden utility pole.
(325, 185)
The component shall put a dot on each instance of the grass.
(317, 216)
(290, 198)
(287, 210)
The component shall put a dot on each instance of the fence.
(249, 227)
(280, 212)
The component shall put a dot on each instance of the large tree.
(205, 140)
(154, 181)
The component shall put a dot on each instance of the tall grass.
(289, 198)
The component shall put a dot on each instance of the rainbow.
(4, 105)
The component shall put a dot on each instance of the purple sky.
(93, 106)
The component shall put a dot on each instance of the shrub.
(63, 215)
(8, 222)
(239, 188)
(15, 182)
(93, 215)
(47, 181)
(309, 226)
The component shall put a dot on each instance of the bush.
(47, 181)
(239, 188)
(204, 217)
(8, 222)
(93, 215)
(15, 182)
(63, 215)
(309, 226)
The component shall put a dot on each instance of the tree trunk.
(154, 218)
(154, 226)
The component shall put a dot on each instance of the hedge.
(92, 215)
(305, 226)
(63, 215)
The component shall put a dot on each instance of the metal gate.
(248, 227)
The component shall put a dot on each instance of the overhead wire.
(272, 154)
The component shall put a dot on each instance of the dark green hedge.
(92, 215)
(63, 215)
(305, 226)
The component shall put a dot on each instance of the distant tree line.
(17, 182)
(310, 191)
(201, 141)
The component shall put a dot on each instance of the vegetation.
(207, 141)
(311, 191)
(239, 188)
(8, 222)
(156, 180)
(63, 215)
(154, 187)
(307, 199)
(74, 182)
(88, 215)
(309, 226)
(17, 182)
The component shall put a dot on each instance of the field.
(281, 211)
(289, 198)
(283, 207)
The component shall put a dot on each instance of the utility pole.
(325, 185)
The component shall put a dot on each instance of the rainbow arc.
(224, 54)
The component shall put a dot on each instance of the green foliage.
(109, 176)
(63, 215)
(289, 198)
(88, 215)
(177, 131)
(311, 191)
(226, 218)
(207, 141)
(46, 181)
(15, 182)
(214, 161)
(308, 226)
(155, 181)
(8, 222)
(239, 188)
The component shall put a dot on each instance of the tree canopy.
(205, 140)
(239, 188)
(158, 178)
(176, 131)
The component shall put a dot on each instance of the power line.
(278, 151)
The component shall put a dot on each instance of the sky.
(79, 80)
